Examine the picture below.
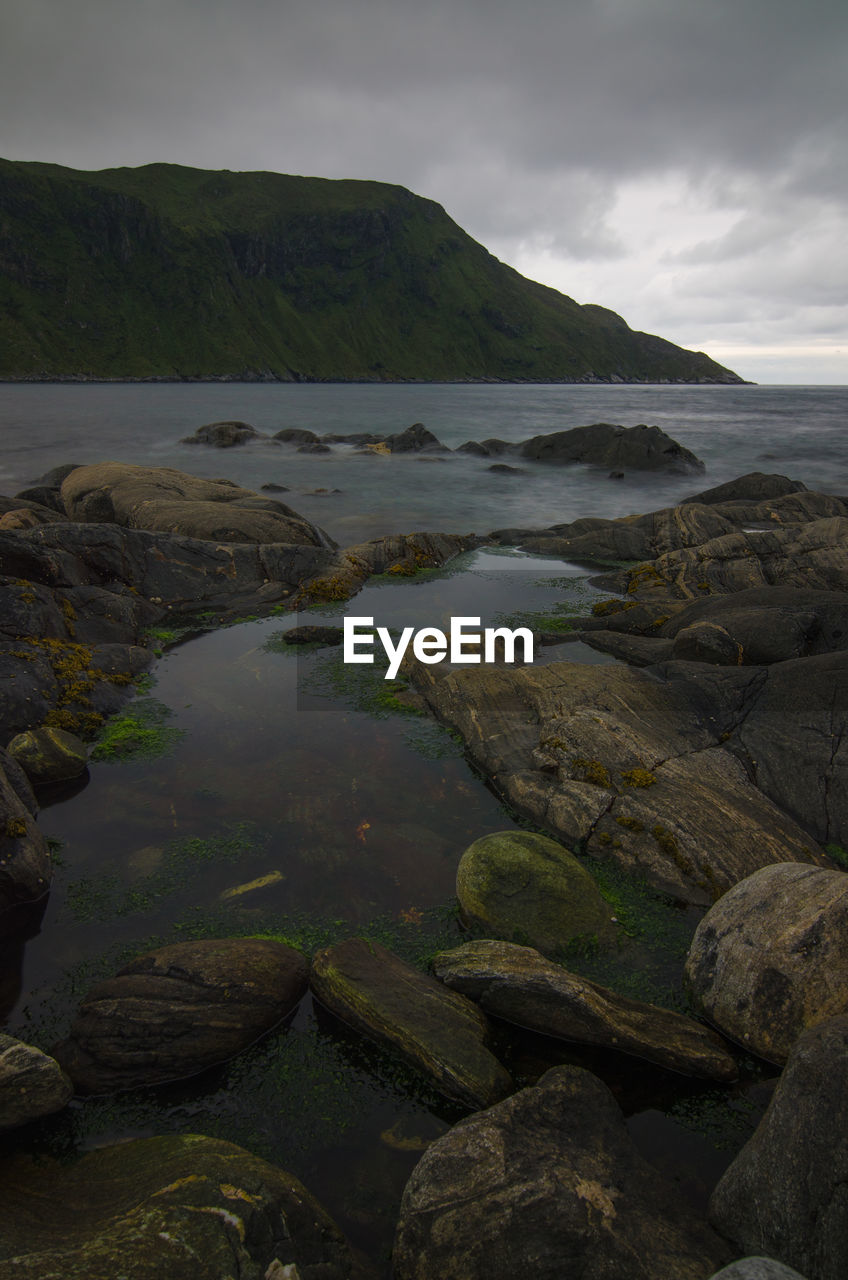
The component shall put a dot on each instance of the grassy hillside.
(171, 272)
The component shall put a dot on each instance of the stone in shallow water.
(521, 986)
(31, 1084)
(756, 1269)
(521, 886)
(441, 1032)
(167, 1208)
(49, 755)
(771, 957)
(179, 1010)
(548, 1184)
(786, 1193)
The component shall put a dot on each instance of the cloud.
(652, 155)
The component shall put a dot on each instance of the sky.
(683, 162)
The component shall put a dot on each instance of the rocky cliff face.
(180, 273)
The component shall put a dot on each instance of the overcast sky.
(684, 162)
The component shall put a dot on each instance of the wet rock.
(619, 448)
(632, 764)
(223, 435)
(501, 469)
(49, 755)
(785, 1193)
(166, 1208)
(770, 959)
(757, 1269)
(756, 486)
(415, 439)
(25, 863)
(295, 435)
(524, 887)
(32, 1084)
(176, 1011)
(522, 987)
(442, 1033)
(165, 500)
(547, 1183)
(314, 446)
(310, 634)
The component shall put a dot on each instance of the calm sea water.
(797, 431)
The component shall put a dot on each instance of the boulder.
(524, 887)
(520, 986)
(548, 1184)
(176, 1011)
(756, 486)
(169, 501)
(441, 1033)
(770, 958)
(32, 1084)
(786, 1193)
(166, 1208)
(223, 435)
(295, 435)
(757, 1269)
(415, 439)
(47, 754)
(602, 444)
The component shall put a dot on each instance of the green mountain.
(168, 272)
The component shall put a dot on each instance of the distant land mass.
(165, 272)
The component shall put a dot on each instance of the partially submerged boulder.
(166, 1208)
(440, 1032)
(176, 1011)
(26, 867)
(786, 1193)
(548, 1183)
(223, 435)
(47, 754)
(525, 887)
(521, 986)
(770, 959)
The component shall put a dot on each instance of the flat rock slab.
(786, 1193)
(548, 1184)
(167, 1208)
(179, 1010)
(32, 1084)
(521, 986)
(516, 884)
(632, 763)
(771, 957)
(439, 1031)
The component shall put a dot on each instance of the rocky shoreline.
(710, 762)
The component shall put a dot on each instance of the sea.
(289, 796)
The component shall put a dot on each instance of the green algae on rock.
(438, 1030)
(49, 754)
(527, 888)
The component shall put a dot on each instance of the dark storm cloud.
(534, 123)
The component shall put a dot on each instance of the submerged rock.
(522, 987)
(26, 867)
(442, 1033)
(32, 1084)
(548, 1184)
(524, 887)
(770, 959)
(785, 1193)
(49, 755)
(176, 1011)
(167, 1208)
(757, 1269)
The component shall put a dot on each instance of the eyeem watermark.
(462, 645)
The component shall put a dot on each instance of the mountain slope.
(170, 272)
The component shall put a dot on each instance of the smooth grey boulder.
(521, 986)
(757, 1269)
(770, 958)
(786, 1193)
(548, 1184)
(440, 1032)
(607, 445)
(32, 1084)
(176, 1011)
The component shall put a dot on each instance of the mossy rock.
(166, 1208)
(49, 754)
(525, 888)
